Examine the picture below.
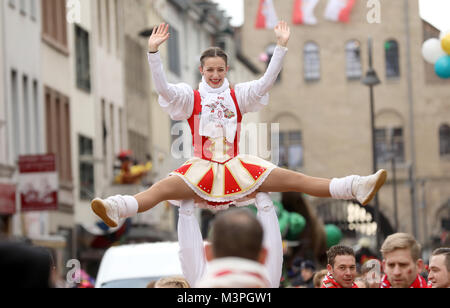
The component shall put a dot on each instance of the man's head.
(236, 233)
(439, 275)
(401, 259)
(342, 265)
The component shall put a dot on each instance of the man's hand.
(283, 33)
(159, 35)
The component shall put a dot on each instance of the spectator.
(236, 253)
(307, 271)
(172, 282)
(318, 278)
(24, 266)
(341, 268)
(401, 262)
(439, 275)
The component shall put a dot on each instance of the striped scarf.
(330, 283)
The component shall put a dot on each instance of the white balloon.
(432, 50)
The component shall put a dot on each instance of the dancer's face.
(215, 71)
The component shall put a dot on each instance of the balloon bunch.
(437, 52)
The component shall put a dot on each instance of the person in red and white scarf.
(341, 268)
(236, 253)
(402, 263)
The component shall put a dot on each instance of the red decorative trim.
(255, 171)
(206, 183)
(231, 185)
(184, 169)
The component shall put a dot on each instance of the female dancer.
(218, 175)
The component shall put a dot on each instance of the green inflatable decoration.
(334, 235)
(291, 224)
(297, 224)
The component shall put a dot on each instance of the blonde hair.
(402, 241)
(172, 282)
(318, 278)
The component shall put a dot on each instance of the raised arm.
(252, 96)
(177, 100)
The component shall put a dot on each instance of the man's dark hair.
(237, 233)
(338, 250)
(446, 252)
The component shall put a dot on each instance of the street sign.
(38, 183)
(7, 199)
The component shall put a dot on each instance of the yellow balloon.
(446, 43)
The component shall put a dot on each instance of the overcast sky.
(437, 12)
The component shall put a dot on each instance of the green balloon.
(334, 235)
(297, 224)
(283, 221)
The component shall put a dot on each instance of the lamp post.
(371, 80)
(394, 178)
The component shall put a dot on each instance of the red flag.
(267, 16)
(303, 13)
(339, 10)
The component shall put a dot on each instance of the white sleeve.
(176, 99)
(254, 95)
(192, 253)
(267, 216)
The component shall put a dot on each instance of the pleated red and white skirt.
(224, 184)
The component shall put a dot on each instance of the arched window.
(389, 142)
(444, 140)
(353, 56)
(392, 59)
(311, 62)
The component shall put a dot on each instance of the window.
(37, 112)
(174, 52)
(33, 9)
(58, 131)
(353, 56)
(22, 7)
(82, 59)
(54, 24)
(392, 59)
(291, 150)
(26, 114)
(389, 142)
(444, 140)
(15, 112)
(311, 62)
(86, 152)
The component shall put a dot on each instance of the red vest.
(202, 144)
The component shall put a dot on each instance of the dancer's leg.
(361, 188)
(170, 188)
(283, 180)
(112, 209)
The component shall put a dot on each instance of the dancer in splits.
(218, 176)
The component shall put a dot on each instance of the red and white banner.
(339, 10)
(38, 183)
(7, 199)
(267, 16)
(303, 13)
